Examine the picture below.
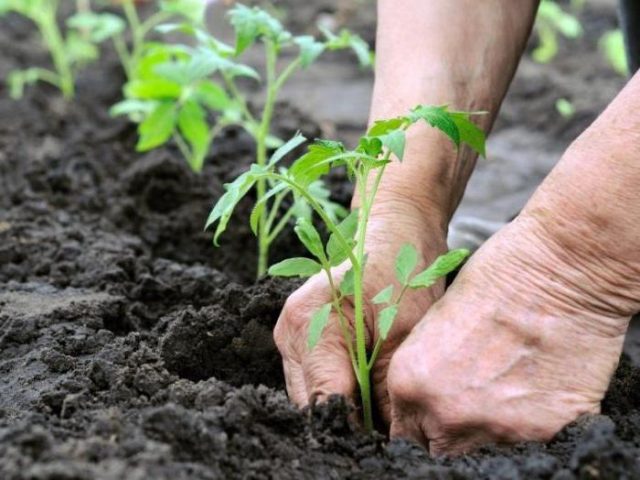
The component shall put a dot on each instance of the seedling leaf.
(384, 295)
(191, 9)
(406, 262)
(442, 265)
(295, 267)
(310, 238)
(225, 205)
(336, 252)
(318, 322)
(346, 284)
(437, 117)
(347, 39)
(312, 165)
(382, 127)
(292, 144)
(310, 49)
(212, 95)
(385, 320)
(157, 128)
(251, 23)
(192, 122)
(470, 133)
(395, 141)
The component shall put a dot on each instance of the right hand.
(313, 375)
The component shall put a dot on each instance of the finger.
(381, 392)
(294, 379)
(327, 369)
(408, 427)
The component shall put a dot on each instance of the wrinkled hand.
(524, 342)
(327, 369)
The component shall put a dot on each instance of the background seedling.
(69, 52)
(366, 164)
(177, 87)
(551, 22)
(612, 46)
(190, 11)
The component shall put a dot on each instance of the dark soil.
(130, 348)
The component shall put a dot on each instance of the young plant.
(190, 11)
(177, 87)
(612, 46)
(551, 22)
(384, 142)
(69, 52)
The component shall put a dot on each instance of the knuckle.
(405, 380)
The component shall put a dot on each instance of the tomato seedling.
(177, 87)
(366, 164)
(69, 52)
(551, 22)
(191, 11)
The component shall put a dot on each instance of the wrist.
(429, 182)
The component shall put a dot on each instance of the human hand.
(313, 375)
(524, 342)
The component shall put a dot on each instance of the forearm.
(457, 52)
(590, 202)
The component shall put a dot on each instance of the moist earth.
(131, 348)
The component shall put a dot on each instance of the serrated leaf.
(310, 49)
(395, 141)
(442, 266)
(295, 267)
(386, 318)
(317, 325)
(258, 208)
(100, 26)
(18, 79)
(198, 66)
(192, 123)
(153, 89)
(212, 95)
(80, 50)
(347, 39)
(406, 262)
(297, 140)
(336, 252)
(321, 193)
(347, 287)
(437, 117)
(225, 205)
(384, 295)
(250, 23)
(470, 133)
(312, 165)
(370, 145)
(132, 107)
(193, 10)
(157, 128)
(382, 127)
(310, 238)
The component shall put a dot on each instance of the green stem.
(238, 97)
(261, 154)
(123, 54)
(280, 226)
(376, 349)
(137, 34)
(183, 147)
(364, 365)
(48, 27)
(331, 226)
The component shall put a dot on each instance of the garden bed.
(131, 348)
